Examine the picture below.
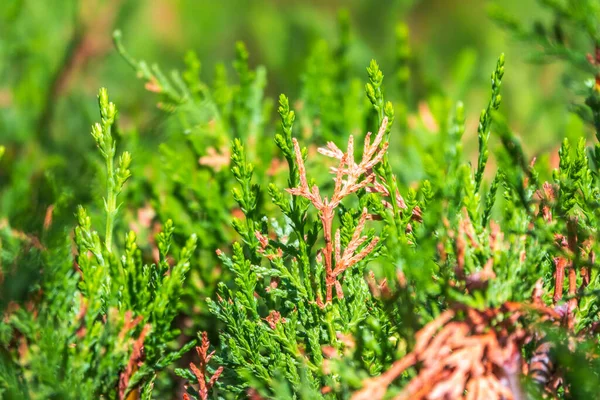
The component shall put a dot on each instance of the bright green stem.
(330, 328)
(389, 175)
(392, 187)
(111, 199)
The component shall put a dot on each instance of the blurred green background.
(62, 48)
(57, 53)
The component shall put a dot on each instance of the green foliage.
(314, 265)
(572, 37)
(78, 343)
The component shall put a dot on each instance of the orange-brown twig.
(136, 358)
(199, 371)
(479, 355)
(350, 177)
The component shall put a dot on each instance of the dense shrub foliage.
(347, 243)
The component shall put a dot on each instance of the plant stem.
(111, 199)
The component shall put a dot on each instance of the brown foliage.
(135, 360)
(477, 357)
(350, 177)
(200, 371)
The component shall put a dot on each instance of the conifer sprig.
(350, 177)
(115, 178)
(205, 383)
(461, 288)
(485, 121)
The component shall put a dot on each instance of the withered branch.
(350, 177)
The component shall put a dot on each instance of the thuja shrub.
(348, 250)
(105, 326)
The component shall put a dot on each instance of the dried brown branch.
(199, 371)
(135, 360)
(350, 177)
(479, 355)
(560, 264)
(274, 318)
(466, 236)
(129, 324)
(215, 159)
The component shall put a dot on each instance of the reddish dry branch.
(479, 356)
(48, 217)
(466, 237)
(200, 371)
(571, 252)
(274, 318)
(461, 245)
(378, 187)
(466, 227)
(253, 395)
(352, 254)
(129, 324)
(572, 283)
(262, 239)
(586, 253)
(30, 240)
(135, 360)
(496, 236)
(83, 306)
(538, 292)
(379, 289)
(350, 177)
(214, 159)
(547, 197)
(569, 247)
(264, 244)
(559, 277)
